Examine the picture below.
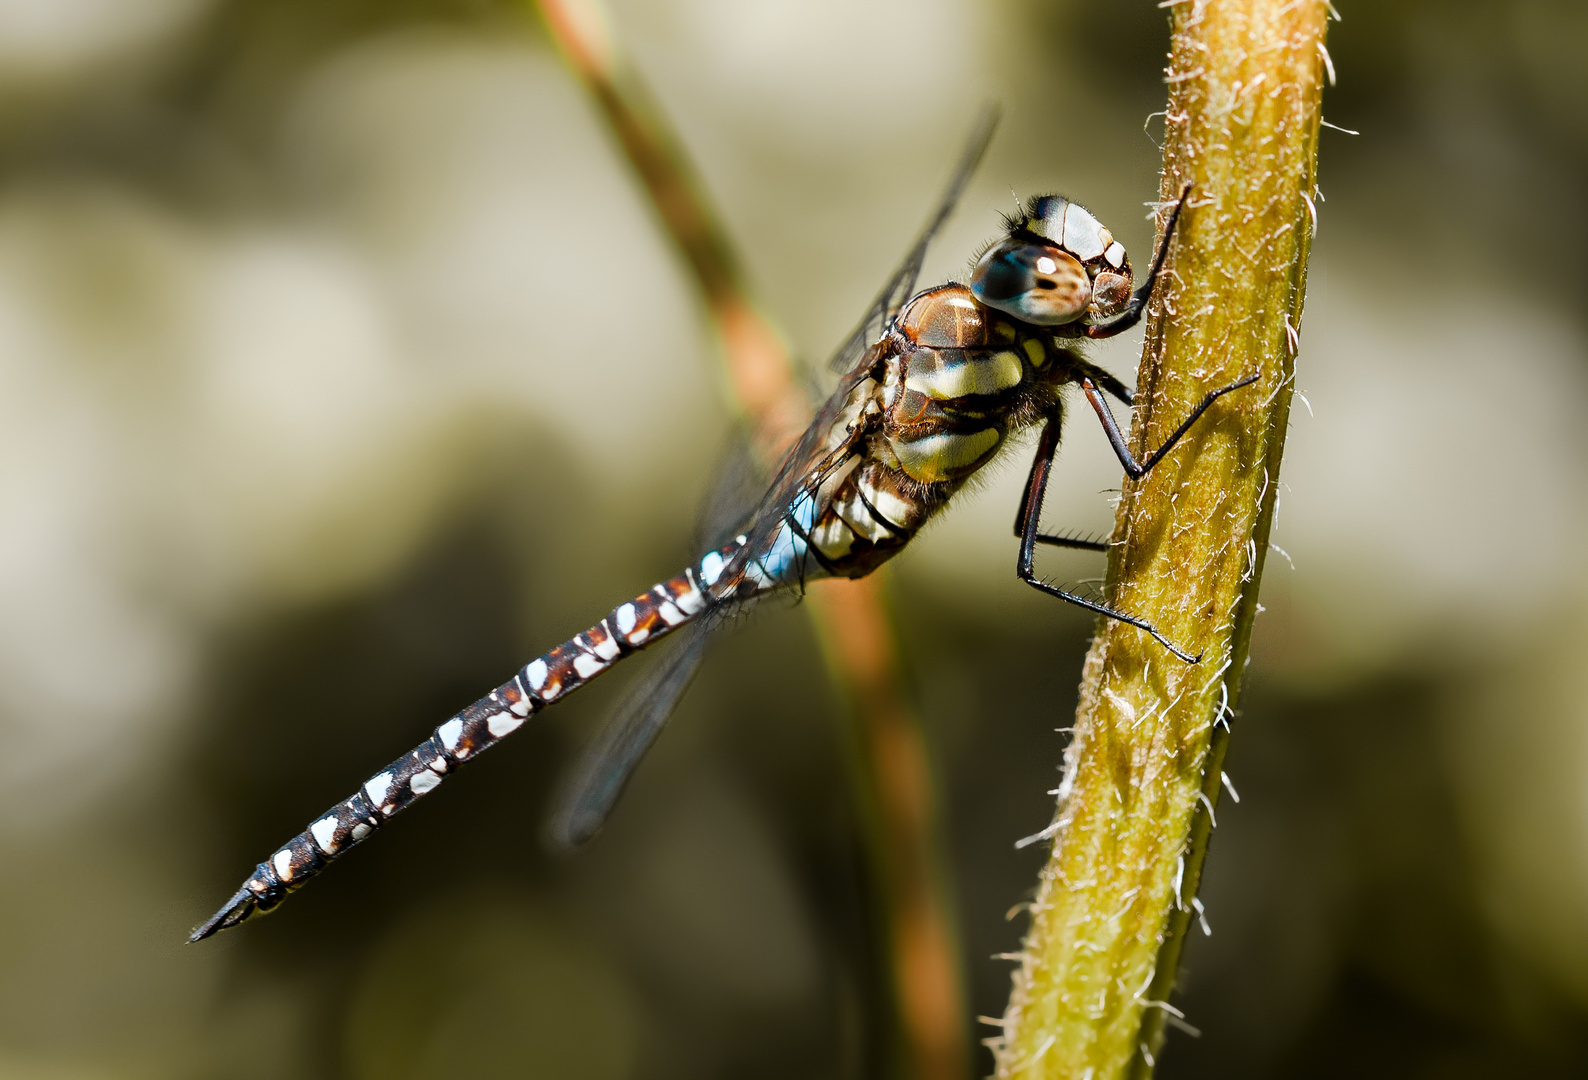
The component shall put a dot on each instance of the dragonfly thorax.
(961, 370)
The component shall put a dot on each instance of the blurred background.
(343, 367)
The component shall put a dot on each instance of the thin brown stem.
(894, 779)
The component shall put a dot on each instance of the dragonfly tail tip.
(235, 910)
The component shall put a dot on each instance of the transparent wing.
(855, 359)
(608, 763)
(592, 788)
(901, 284)
(799, 471)
(737, 485)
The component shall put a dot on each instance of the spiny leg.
(1031, 513)
(1139, 469)
(1075, 542)
(1138, 300)
(1052, 538)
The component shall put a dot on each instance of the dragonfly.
(933, 384)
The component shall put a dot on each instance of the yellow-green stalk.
(1142, 776)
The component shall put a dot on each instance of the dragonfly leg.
(1106, 382)
(1138, 300)
(1056, 540)
(1049, 538)
(1138, 469)
(1031, 513)
(1053, 538)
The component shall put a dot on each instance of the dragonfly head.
(1058, 264)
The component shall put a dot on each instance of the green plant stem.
(1142, 775)
(892, 775)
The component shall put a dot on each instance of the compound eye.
(1036, 283)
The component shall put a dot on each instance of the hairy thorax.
(962, 377)
(956, 379)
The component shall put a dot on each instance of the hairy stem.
(1142, 775)
(895, 784)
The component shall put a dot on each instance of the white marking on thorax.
(861, 521)
(891, 384)
(833, 537)
(978, 373)
(887, 503)
(939, 457)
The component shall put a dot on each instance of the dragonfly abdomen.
(627, 628)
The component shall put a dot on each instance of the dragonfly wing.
(798, 474)
(854, 361)
(593, 787)
(609, 761)
(737, 485)
(901, 284)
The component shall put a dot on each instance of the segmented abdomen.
(627, 628)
